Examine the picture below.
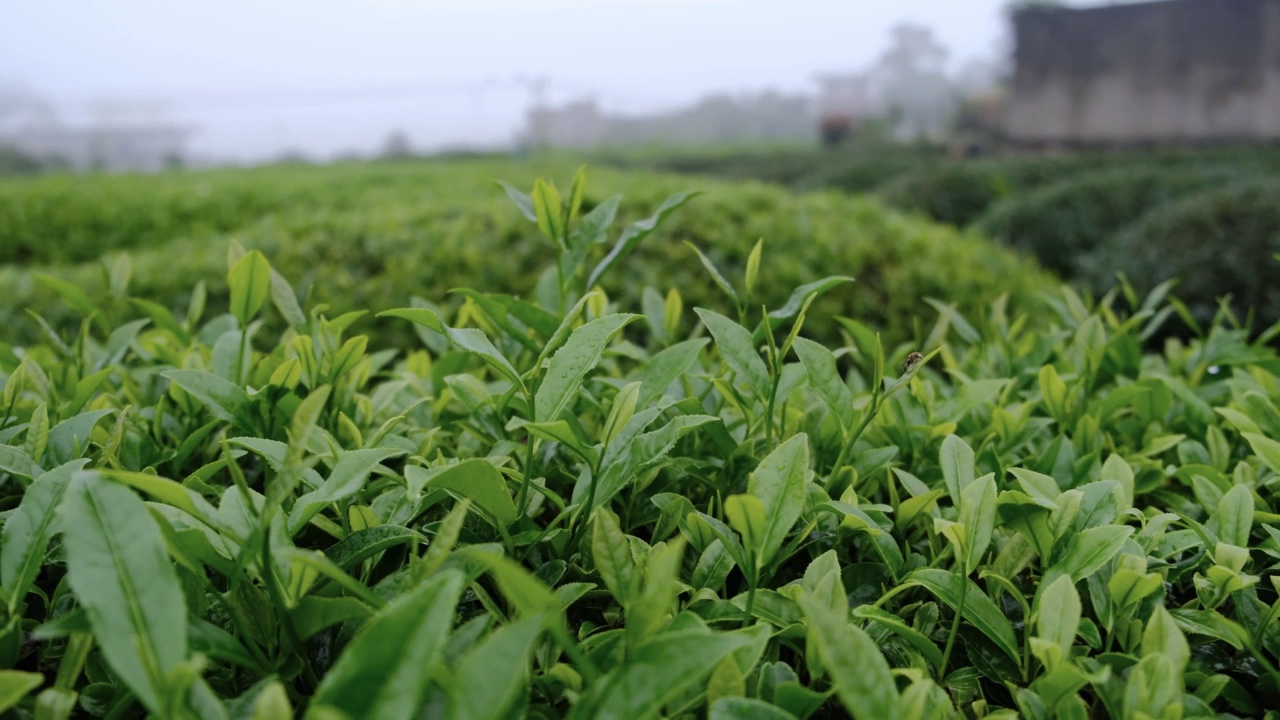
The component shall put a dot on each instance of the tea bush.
(1217, 243)
(569, 507)
(1060, 223)
(396, 231)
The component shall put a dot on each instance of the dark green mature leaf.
(820, 364)
(1091, 549)
(667, 366)
(361, 545)
(69, 439)
(738, 351)
(29, 529)
(481, 483)
(978, 608)
(858, 670)
(383, 672)
(571, 363)
(491, 677)
(656, 671)
(119, 570)
(226, 400)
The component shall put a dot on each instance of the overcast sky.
(326, 76)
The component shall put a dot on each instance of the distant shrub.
(959, 191)
(1218, 242)
(426, 231)
(1059, 222)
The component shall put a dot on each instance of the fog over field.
(323, 78)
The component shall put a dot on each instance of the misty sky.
(324, 76)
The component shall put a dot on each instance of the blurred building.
(103, 148)
(578, 124)
(1171, 71)
(843, 102)
(116, 137)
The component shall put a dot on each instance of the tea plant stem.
(523, 498)
(955, 624)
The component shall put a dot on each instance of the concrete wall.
(1173, 71)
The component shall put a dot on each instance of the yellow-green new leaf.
(779, 482)
(249, 282)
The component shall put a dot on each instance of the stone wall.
(1173, 71)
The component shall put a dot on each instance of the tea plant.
(555, 508)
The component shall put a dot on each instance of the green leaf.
(736, 708)
(746, 515)
(119, 570)
(979, 610)
(15, 685)
(492, 676)
(637, 231)
(29, 529)
(73, 295)
(612, 554)
(69, 439)
(820, 364)
(546, 208)
(1091, 549)
(753, 266)
(716, 277)
(957, 466)
(469, 339)
(738, 351)
(1161, 636)
(15, 461)
(347, 478)
(1058, 618)
(523, 202)
(1266, 449)
(978, 515)
(226, 400)
(249, 282)
(272, 703)
(647, 614)
(655, 672)
(481, 483)
(571, 363)
(364, 544)
(383, 671)
(859, 671)
(780, 484)
(666, 367)
(1235, 516)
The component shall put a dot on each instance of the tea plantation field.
(1207, 216)
(392, 441)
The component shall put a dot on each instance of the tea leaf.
(571, 363)
(380, 673)
(249, 281)
(858, 670)
(119, 570)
